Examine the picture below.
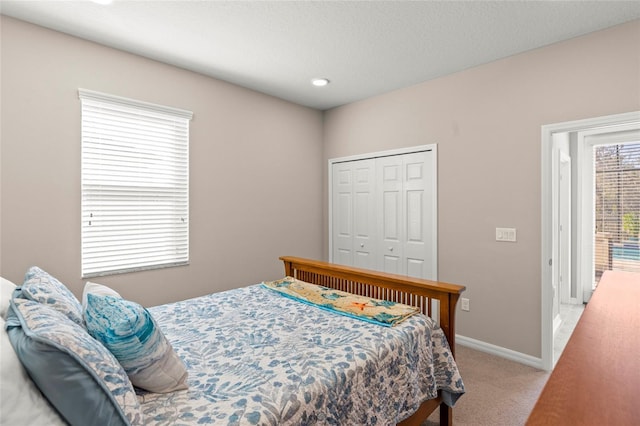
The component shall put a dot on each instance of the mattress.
(255, 357)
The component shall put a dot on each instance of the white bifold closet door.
(354, 218)
(384, 214)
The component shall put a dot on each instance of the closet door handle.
(361, 244)
(390, 248)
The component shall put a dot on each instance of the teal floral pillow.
(129, 331)
(79, 376)
(43, 288)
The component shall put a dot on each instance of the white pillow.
(6, 290)
(99, 289)
(21, 402)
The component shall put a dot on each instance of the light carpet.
(498, 391)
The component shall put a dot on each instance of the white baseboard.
(481, 346)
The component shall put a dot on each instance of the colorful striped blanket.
(381, 312)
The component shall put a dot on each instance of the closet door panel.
(342, 256)
(364, 217)
(390, 202)
(342, 214)
(391, 264)
(415, 267)
(415, 241)
(418, 219)
(415, 208)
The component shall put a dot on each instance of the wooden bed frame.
(435, 299)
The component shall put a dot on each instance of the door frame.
(547, 132)
(566, 236)
(387, 153)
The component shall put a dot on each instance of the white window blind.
(617, 206)
(135, 185)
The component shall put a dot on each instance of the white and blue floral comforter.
(257, 358)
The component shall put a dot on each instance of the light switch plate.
(506, 234)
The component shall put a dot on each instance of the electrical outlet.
(465, 304)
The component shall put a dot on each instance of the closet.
(384, 212)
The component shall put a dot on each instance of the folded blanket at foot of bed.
(377, 311)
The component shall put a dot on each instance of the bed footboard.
(435, 299)
(380, 285)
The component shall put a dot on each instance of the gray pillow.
(42, 287)
(21, 402)
(79, 376)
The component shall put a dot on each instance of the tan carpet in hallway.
(498, 391)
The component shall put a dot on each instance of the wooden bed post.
(448, 320)
(446, 415)
(288, 268)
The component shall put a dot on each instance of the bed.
(435, 299)
(256, 357)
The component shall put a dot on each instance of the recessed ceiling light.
(320, 82)
(103, 2)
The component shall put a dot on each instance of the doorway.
(566, 268)
(567, 307)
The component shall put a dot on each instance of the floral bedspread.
(256, 357)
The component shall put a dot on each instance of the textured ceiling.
(365, 48)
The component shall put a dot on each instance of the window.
(135, 185)
(617, 207)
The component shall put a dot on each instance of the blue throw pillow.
(79, 376)
(41, 287)
(129, 331)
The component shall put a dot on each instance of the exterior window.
(135, 185)
(617, 207)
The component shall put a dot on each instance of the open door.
(561, 224)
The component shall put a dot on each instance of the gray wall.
(255, 187)
(258, 165)
(487, 124)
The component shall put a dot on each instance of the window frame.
(159, 187)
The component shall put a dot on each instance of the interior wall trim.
(491, 349)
